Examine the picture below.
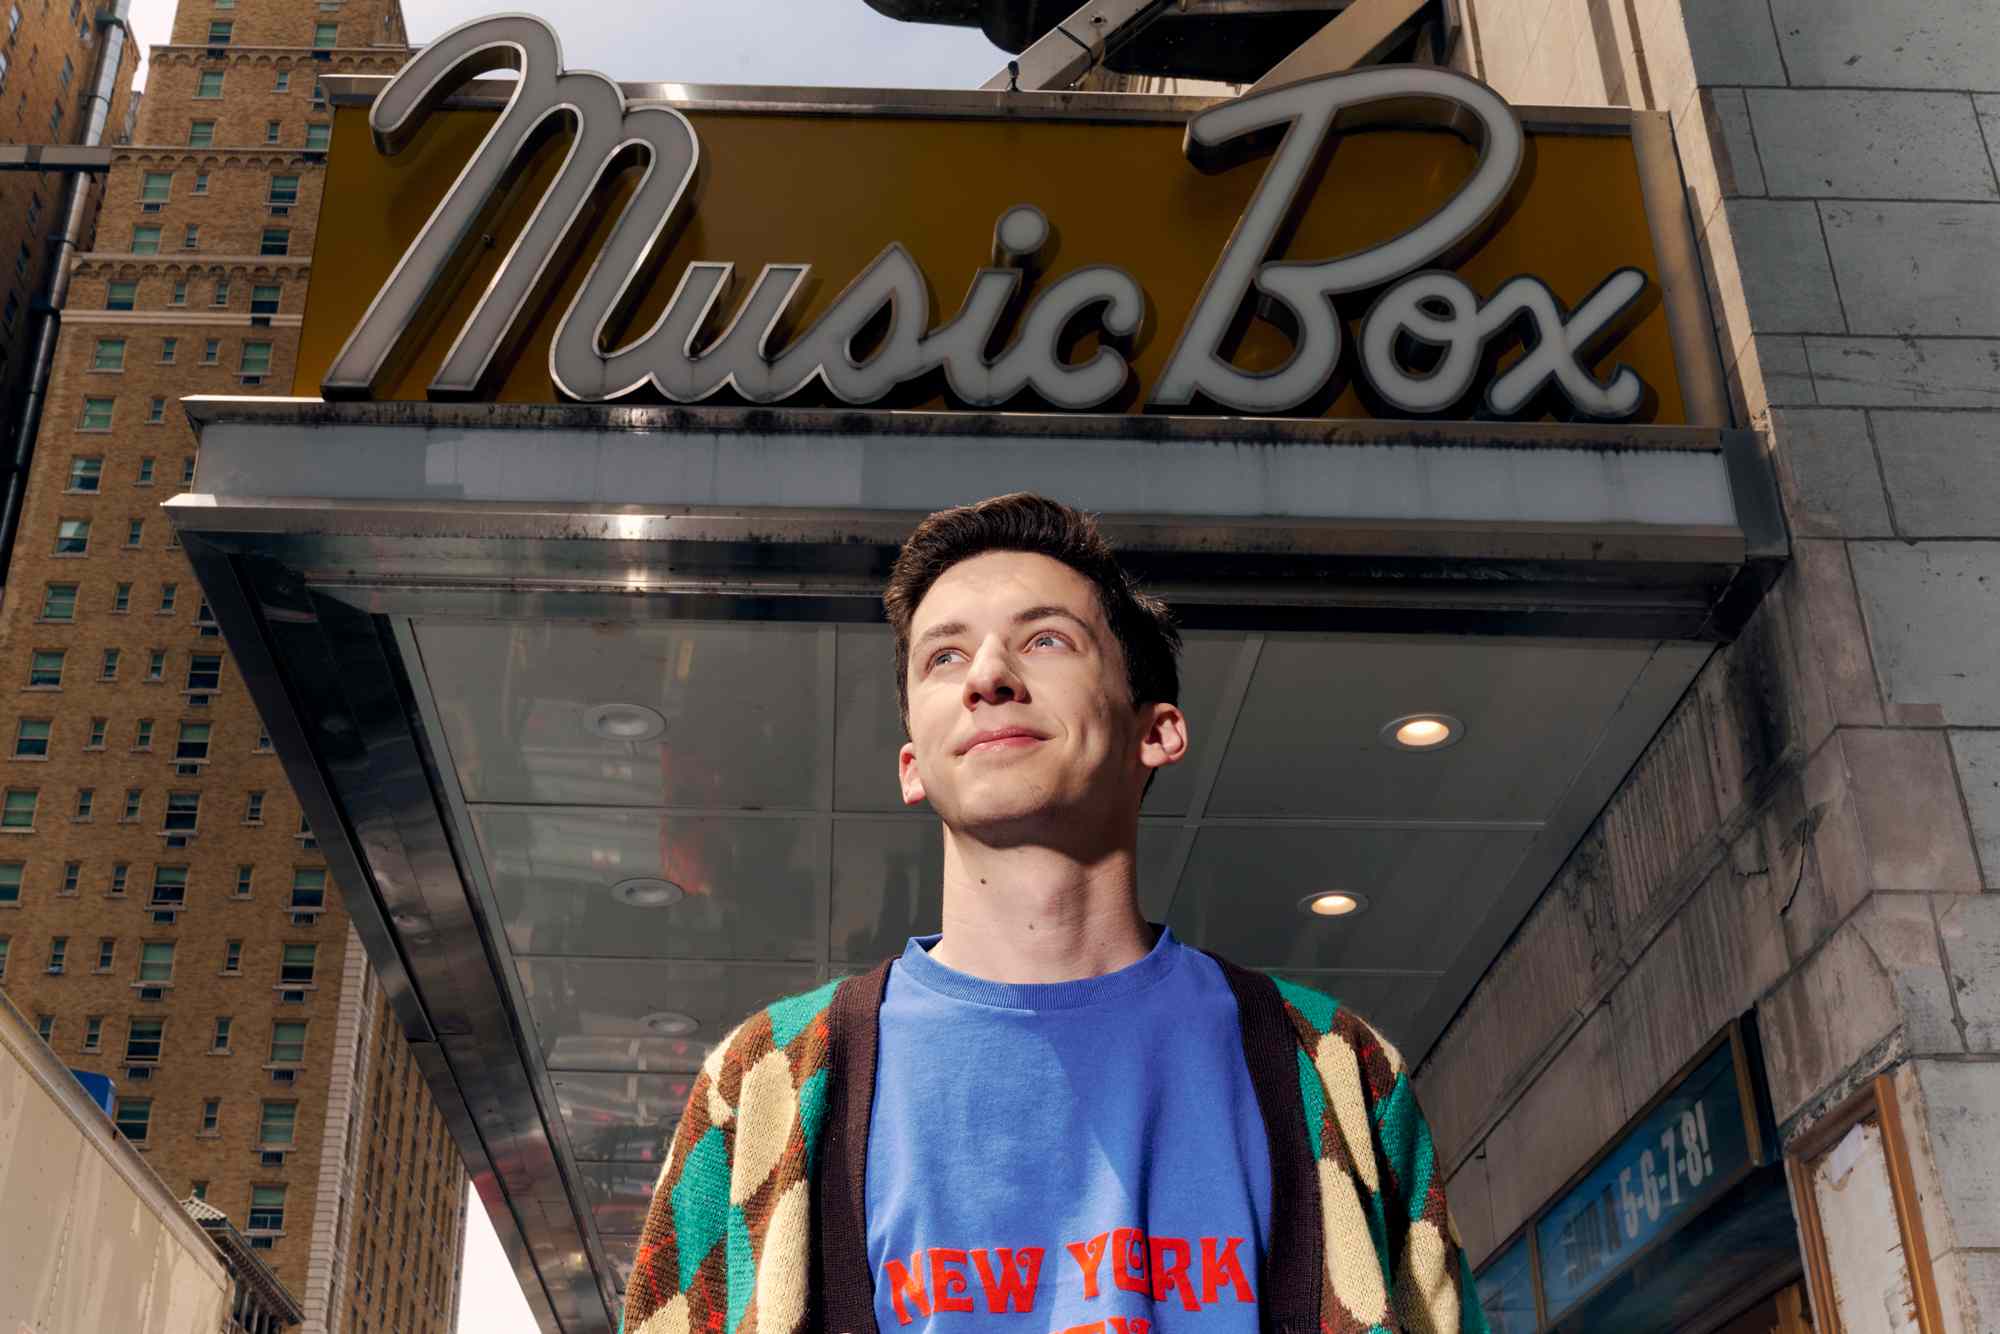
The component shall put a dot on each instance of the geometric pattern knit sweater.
(757, 1227)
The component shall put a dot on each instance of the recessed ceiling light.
(670, 1024)
(1422, 731)
(624, 722)
(1333, 903)
(648, 892)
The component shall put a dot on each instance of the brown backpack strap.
(1294, 1269)
(842, 1296)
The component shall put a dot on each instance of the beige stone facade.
(154, 865)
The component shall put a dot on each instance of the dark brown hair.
(1142, 624)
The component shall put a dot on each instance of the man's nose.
(992, 678)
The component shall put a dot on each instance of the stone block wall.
(1815, 833)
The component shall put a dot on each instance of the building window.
(146, 471)
(220, 1043)
(201, 134)
(325, 35)
(156, 961)
(232, 957)
(211, 1115)
(193, 742)
(72, 537)
(110, 355)
(183, 812)
(264, 301)
(187, 471)
(135, 532)
(156, 665)
(256, 358)
(68, 73)
(180, 296)
(58, 953)
(277, 241)
(45, 668)
(134, 1116)
(288, 1044)
(169, 349)
(85, 472)
(45, 1028)
(10, 881)
(59, 602)
(204, 671)
(142, 735)
(168, 592)
(201, 182)
(245, 875)
(86, 798)
(109, 671)
(318, 136)
(3, 956)
(267, 1209)
(157, 187)
(263, 741)
(253, 808)
(275, 1129)
(145, 240)
(72, 877)
(134, 797)
(272, 129)
(156, 412)
(121, 296)
(211, 349)
(170, 886)
(143, 1039)
(284, 190)
(209, 84)
(31, 739)
(218, 33)
(93, 1033)
(191, 238)
(97, 729)
(296, 968)
(120, 871)
(96, 414)
(19, 810)
(121, 598)
(199, 1189)
(107, 955)
(284, 82)
(308, 889)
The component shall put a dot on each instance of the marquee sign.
(1389, 242)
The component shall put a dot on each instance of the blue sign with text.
(1507, 1291)
(1694, 1146)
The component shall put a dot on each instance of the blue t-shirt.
(1071, 1156)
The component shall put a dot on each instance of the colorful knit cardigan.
(757, 1223)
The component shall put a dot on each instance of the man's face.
(1021, 716)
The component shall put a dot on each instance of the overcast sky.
(693, 41)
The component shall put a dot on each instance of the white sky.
(693, 41)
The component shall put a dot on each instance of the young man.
(1054, 1116)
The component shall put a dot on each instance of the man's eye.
(1049, 635)
(941, 655)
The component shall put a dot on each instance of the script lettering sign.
(1392, 317)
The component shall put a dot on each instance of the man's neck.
(1034, 914)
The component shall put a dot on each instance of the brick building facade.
(165, 915)
(46, 60)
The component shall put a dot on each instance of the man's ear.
(1165, 739)
(907, 775)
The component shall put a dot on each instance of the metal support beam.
(1364, 30)
(1075, 46)
(54, 157)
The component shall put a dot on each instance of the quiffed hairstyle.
(1142, 624)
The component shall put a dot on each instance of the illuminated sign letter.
(608, 135)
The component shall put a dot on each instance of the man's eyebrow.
(946, 629)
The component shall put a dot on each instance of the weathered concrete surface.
(1557, 1125)
(1942, 469)
(1904, 372)
(1977, 755)
(1915, 268)
(1865, 43)
(1827, 473)
(1906, 798)
(1933, 617)
(1969, 929)
(1851, 144)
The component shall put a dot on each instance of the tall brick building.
(165, 915)
(46, 58)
